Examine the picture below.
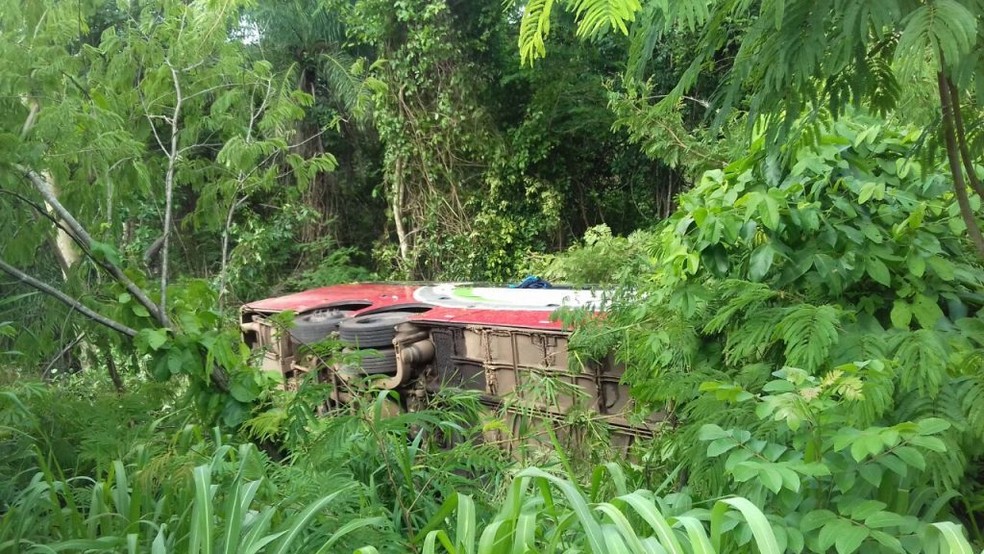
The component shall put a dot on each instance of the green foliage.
(414, 460)
(369, 476)
(671, 132)
(780, 61)
(842, 486)
(207, 354)
(103, 471)
(533, 516)
(845, 58)
(814, 312)
(484, 162)
(601, 259)
(808, 320)
(93, 110)
(332, 265)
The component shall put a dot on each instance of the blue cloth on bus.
(532, 282)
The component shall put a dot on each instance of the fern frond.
(809, 332)
(754, 376)
(533, 30)
(877, 397)
(749, 341)
(943, 28)
(886, 90)
(922, 359)
(596, 16)
(642, 40)
(348, 88)
(738, 296)
(969, 392)
(862, 340)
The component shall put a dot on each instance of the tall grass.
(545, 513)
(229, 506)
(359, 481)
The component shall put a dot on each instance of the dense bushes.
(812, 327)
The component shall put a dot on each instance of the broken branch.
(85, 241)
(65, 299)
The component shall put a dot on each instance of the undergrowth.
(109, 475)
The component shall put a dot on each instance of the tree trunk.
(320, 195)
(401, 232)
(63, 245)
(224, 271)
(953, 156)
(961, 136)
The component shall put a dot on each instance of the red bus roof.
(447, 303)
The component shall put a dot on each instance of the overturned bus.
(420, 339)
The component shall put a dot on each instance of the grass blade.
(490, 537)
(465, 534)
(700, 543)
(525, 534)
(765, 539)
(648, 511)
(121, 495)
(449, 506)
(953, 537)
(348, 528)
(159, 546)
(613, 541)
(302, 520)
(617, 479)
(592, 529)
(201, 513)
(623, 526)
(430, 543)
(234, 517)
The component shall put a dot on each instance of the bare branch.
(209, 89)
(153, 250)
(223, 273)
(113, 374)
(401, 231)
(45, 214)
(32, 116)
(702, 103)
(172, 160)
(150, 119)
(65, 299)
(78, 85)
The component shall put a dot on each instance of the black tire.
(383, 361)
(371, 331)
(315, 326)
